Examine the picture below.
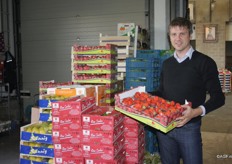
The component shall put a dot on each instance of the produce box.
(157, 113)
(133, 143)
(35, 160)
(44, 85)
(68, 122)
(103, 152)
(83, 50)
(37, 132)
(119, 159)
(66, 160)
(130, 121)
(72, 107)
(37, 151)
(103, 118)
(94, 58)
(133, 130)
(94, 78)
(135, 155)
(68, 151)
(66, 136)
(72, 91)
(103, 137)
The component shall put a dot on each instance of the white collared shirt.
(187, 55)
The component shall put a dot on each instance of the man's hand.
(187, 115)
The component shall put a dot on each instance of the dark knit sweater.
(192, 80)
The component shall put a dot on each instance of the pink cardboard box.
(133, 130)
(69, 160)
(66, 136)
(103, 137)
(135, 155)
(103, 118)
(135, 142)
(103, 152)
(119, 159)
(68, 151)
(72, 107)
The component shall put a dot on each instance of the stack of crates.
(225, 80)
(144, 70)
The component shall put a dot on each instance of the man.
(187, 75)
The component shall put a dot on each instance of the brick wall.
(216, 50)
(219, 16)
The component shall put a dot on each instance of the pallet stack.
(96, 65)
(225, 80)
(134, 141)
(103, 136)
(124, 50)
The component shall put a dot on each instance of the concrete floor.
(216, 135)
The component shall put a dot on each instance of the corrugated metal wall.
(50, 27)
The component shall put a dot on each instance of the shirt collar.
(189, 55)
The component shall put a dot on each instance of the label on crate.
(38, 151)
(34, 137)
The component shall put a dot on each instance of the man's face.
(180, 38)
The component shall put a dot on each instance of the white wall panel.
(50, 27)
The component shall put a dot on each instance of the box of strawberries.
(148, 109)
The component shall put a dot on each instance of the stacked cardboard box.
(225, 80)
(96, 65)
(67, 128)
(103, 136)
(134, 141)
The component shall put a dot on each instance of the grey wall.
(50, 28)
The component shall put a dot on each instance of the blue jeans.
(184, 142)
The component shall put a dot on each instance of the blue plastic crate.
(161, 55)
(141, 62)
(151, 84)
(151, 141)
(148, 53)
(142, 72)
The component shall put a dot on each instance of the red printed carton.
(103, 152)
(68, 151)
(103, 118)
(69, 160)
(66, 136)
(102, 137)
(130, 121)
(134, 156)
(72, 107)
(119, 159)
(136, 142)
(68, 123)
(133, 130)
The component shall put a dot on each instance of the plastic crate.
(141, 62)
(143, 72)
(161, 55)
(148, 53)
(151, 84)
(151, 142)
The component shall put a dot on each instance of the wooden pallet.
(116, 40)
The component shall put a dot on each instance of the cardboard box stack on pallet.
(134, 141)
(124, 50)
(36, 139)
(96, 65)
(225, 80)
